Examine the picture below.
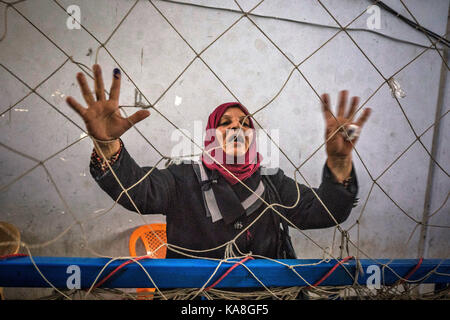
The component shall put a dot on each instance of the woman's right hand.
(102, 117)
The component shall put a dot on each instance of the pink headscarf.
(252, 158)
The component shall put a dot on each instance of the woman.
(205, 204)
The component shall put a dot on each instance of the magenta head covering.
(242, 169)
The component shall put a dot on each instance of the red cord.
(98, 284)
(332, 270)
(13, 255)
(413, 270)
(228, 271)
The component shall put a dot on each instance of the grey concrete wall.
(252, 68)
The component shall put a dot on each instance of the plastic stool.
(153, 236)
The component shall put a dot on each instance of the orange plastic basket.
(153, 236)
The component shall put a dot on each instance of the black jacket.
(176, 193)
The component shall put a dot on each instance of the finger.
(85, 90)
(364, 116)
(342, 103)
(137, 116)
(76, 106)
(353, 105)
(99, 86)
(115, 86)
(326, 106)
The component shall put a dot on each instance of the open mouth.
(236, 139)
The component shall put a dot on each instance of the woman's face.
(234, 132)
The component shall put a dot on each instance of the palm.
(103, 122)
(337, 144)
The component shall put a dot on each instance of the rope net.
(343, 240)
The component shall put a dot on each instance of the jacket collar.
(227, 202)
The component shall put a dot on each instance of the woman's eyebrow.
(227, 117)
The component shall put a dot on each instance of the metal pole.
(423, 243)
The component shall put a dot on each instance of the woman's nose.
(235, 125)
(238, 125)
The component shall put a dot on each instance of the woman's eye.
(226, 123)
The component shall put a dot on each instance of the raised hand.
(102, 117)
(338, 146)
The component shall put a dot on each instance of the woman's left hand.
(338, 147)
